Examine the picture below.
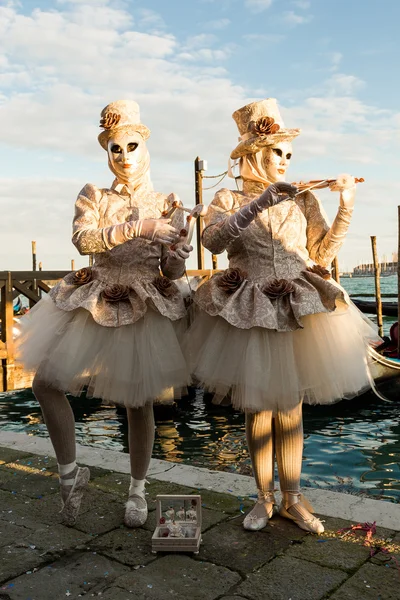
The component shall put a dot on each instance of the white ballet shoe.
(71, 506)
(135, 510)
(309, 522)
(253, 522)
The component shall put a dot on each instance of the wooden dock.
(31, 284)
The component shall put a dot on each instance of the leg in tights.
(260, 441)
(60, 422)
(289, 455)
(141, 439)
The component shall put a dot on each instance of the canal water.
(352, 446)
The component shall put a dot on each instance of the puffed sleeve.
(86, 234)
(215, 235)
(324, 241)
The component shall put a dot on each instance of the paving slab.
(389, 554)
(9, 454)
(19, 559)
(290, 578)
(9, 533)
(55, 540)
(106, 513)
(32, 484)
(371, 582)
(87, 574)
(178, 577)
(331, 552)
(129, 546)
(228, 545)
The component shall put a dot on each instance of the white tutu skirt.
(129, 365)
(262, 369)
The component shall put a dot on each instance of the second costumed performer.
(113, 328)
(274, 330)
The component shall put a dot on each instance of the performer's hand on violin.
(345, 184)
(181, 251)
(158, 230)
(275, 193)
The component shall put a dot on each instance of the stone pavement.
(100, 558)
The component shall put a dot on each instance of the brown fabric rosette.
(276, 288)
(110, 120)
(163, 285)
(83, 276)
(116, 293)
(231, 280)
(321, 271)
(264, 126)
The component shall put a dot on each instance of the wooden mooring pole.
(377, 275)
(33, 255)
(198, 182)
(335, 270)
(398, 276)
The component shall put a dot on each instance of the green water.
(352, 446)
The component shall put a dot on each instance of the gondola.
(389, 309)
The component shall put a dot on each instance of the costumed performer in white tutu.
(274, 329)
(113, 328)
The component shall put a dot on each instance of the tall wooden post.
(40, 266)
(7, 325)
(199, 200)
(335, 269)
(33, 255)
(398, 276)
(377, 275)
(34, 268)
(72, 264)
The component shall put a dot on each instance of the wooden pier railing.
(31, 284)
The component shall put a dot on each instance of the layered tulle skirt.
(130, 365)
(262, 369)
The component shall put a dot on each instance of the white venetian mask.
(127, 153)
(276, 160)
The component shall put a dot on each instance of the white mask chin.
(276, 160)
(128, 157)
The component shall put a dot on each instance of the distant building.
(367, 269)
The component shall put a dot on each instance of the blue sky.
(331, 64)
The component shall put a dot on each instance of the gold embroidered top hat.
(122, 115)
(260, 124)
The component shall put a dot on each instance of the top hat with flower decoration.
(260, 124)
(121, 116)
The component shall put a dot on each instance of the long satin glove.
(246, 214)
(173, 265)
(155, 230)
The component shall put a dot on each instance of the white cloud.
(340, 83)
(258, 5)
(291, 18)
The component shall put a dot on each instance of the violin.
(339, 184)
(186, 233)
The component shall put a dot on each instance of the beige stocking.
(259, 434)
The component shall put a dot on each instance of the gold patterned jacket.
(125, 279)
(272, 281)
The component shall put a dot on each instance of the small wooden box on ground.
(178, 524)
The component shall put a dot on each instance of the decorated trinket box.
(178, 524)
